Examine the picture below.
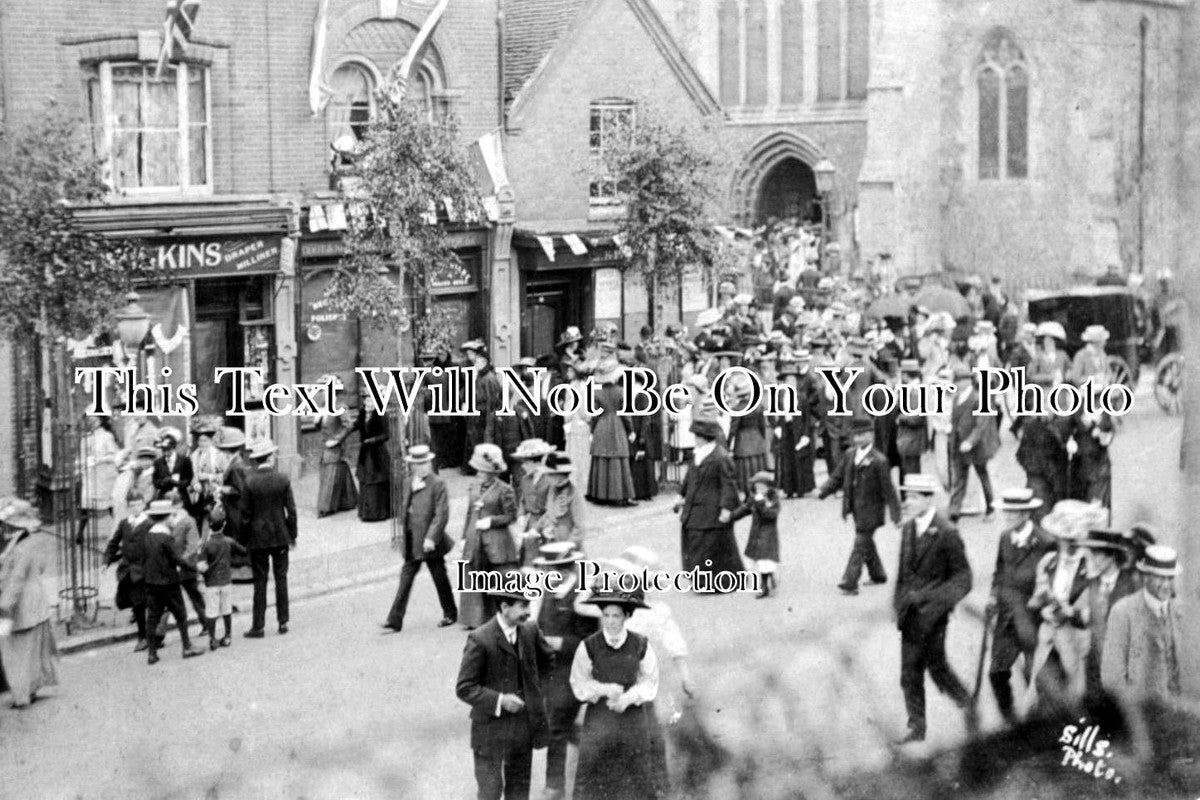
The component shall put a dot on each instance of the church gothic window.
(1002, 82)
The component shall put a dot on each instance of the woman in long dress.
(615, 672)
(99, 456)
(487, 544)
(336, 491)
(748, 435)
(578, 429)
(208, 468)
(27, 646)
(611, 480)
(374, 465)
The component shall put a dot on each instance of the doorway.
(553, 302)
(230, 322)
(788, 190)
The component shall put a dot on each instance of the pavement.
(808, 678)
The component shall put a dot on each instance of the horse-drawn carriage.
(1114, 307)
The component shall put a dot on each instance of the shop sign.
(241, 256)
(607, 294)
(460, 276)
(321, 311)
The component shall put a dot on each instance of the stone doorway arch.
(776, 179)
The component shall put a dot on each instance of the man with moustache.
(503, 664)
(1022, 546)
(932, 577)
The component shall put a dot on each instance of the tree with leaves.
(409, 175)
(666, 178)
(57, 279)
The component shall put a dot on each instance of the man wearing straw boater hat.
(1108, 582)
(425, 510)
(932, 577)
(1022, 546)
(1144, 653)
(161, 563)
(504, 663)
(564, 628)
(268, 512)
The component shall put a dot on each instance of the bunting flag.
(575, 243)
(547, 243)
(335, 215)
(318, 93)
(177, 29)
(487, 159)
(316, 219)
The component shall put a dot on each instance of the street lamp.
(824, 173)
(133, 323)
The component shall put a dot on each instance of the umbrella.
(892, 305)
(936, 298)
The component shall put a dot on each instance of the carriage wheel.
(1119, 371)
(1168, 383)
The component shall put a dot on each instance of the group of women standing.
(337, 490)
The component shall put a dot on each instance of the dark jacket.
(1014, 581)
(510, 431)
(128, 546)
(933, 577)
(867, 489)
(1042, 452)
(235, 483)
(978, 431)
(497, 503)
(163, 482)
(217, 551)
(425, 515)
(268, 510)
(163, 559)
(491, 667)
(708, 489)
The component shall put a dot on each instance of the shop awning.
(170, 218)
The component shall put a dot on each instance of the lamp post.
(824, 172)
(133, 323)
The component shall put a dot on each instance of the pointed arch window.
(1002, 83)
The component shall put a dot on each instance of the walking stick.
(983, 646)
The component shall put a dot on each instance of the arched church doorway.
(787, 191)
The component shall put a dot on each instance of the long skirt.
(618, 757)
(30, 661)
(645, 478)
(337, 491)
(610, 481)
(375, 502)
(746, 466)
(715, 545)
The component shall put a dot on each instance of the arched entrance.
(788, 190)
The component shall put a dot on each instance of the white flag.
(316, 219)
(547, 243)
(336, 216)
(575, 243)
(318, 94)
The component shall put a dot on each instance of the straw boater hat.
(557, 554)
(1159, 560)
(231, 439)
(1070, 520)
(910, 366)
(920, 484)
(419, 454)
(532, 448)
(160, 508)
(261, 449)
(1021, 499)
(487, 458)
(1095, 333)
(1052, 329)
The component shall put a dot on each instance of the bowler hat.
(920, 484)
(862, 426)
(419, 454)
(1159, 560)
(707, 428)
(1019, 499)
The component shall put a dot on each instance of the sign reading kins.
(220, 256)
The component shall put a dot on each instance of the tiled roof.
(531, 29)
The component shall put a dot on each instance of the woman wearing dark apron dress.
(615, 673)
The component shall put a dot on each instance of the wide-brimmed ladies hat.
(230, 439)
(419, 454)
(1108, 539)
(1095, 333)
(559, 463)
(709, 316)
(570, 336)
(169, 432)
(145, 451)
(557, 554)
(487, 458)
(1021, 499)
(1159, 560)
(1052, 329)
(627, 600)
(532, 448)
(24, 522)
(1070, 520)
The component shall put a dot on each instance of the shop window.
(1002, 85)
(152, 133)
(609, 120)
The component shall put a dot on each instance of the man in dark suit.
(268, 514)
(172, 471)
(161, 561)
(973, 442)
(708, 498)
(864, 477)
(1022, 546)
(932, 578)
(425, 509)
(503, 663)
